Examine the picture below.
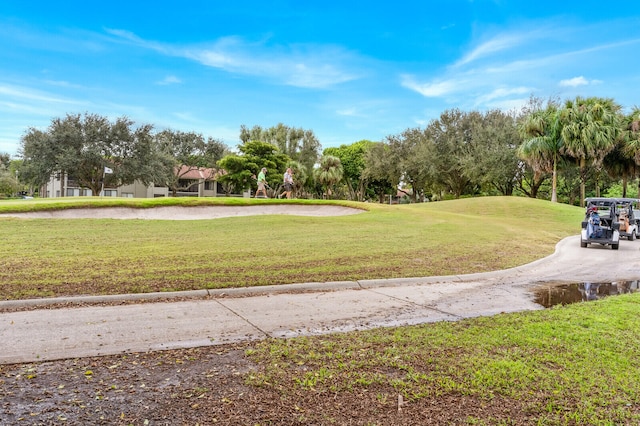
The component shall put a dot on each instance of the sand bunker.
(188, 213)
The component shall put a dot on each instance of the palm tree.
(590, 128)
(542, 150)
(631, 131)
(329, 173)
(299, 176)
(620, 164)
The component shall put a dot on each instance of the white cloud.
(309, 66)
(22, 94)
(348, 112)
(574, 82)
(65, 84)
(579, 81)
(170, 79)
(431, 90)
(503, 92)
(494, 45)
(500, 71)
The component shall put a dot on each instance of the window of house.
(188, 185)
(127, 194)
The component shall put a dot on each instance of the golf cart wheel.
(632, 236)
(583, 244)
(615, 246)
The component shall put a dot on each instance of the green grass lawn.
(55, 257)
(572, 365)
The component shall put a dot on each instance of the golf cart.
(601, 225)
(629, 221)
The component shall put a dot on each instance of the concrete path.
(216, 317)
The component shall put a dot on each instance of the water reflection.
(563, 294)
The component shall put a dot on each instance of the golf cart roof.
(605, 202)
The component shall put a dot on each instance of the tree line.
(562, 151)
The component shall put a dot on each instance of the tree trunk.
(62, 184)
(583, 179)
(554, 181)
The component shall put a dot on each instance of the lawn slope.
(55, 257)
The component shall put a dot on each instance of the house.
(193, 182)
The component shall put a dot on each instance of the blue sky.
(348, 70)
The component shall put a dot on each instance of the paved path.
(211, 318)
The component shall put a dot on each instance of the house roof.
(197, 173)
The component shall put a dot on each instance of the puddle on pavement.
(562, 294)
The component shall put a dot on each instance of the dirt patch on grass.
(208, 386)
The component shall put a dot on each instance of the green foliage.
(329, 173)
(381, 172)
(237, 173)
(81, 146)
(542, 148)
(412, 152)
(491, 160)
(298, 144)
(451, 135)
(184, 152)
(9, 185)
(616, 190)
(5, 160)
(352, 158)
(590, 129)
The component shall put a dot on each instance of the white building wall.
(58, 188)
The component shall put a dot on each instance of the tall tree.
(381, 171)
(543, 143)
(352, 158)
(620, 164)
(82, 146)
(37, 150)
(239, 169)
(590, 127)
(631, 137)
(5, 160)
(185, 152)
(299, 144)
(412, 151)
(328, 173)
(451, 135)
(9, 184)
(490, 159)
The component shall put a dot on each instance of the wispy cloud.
(493, 72)
(308, 66)
(61, 83)
(349, 112)
(495, 45)
(578, 81)
(431, 89)
(22, 94)
(170, 79)
(502, 93)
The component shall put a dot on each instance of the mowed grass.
(572, 365)
(55, 257)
